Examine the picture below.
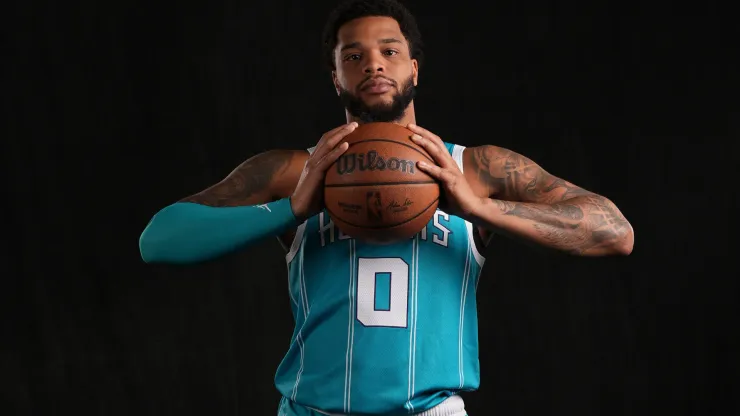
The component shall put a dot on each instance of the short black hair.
(353, 9)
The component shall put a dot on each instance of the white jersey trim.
(478, 257)
(296, 245)
(457, 154)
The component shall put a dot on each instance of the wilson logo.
(348, 163)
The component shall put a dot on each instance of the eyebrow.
(381, 41)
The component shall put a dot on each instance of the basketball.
(375, 192)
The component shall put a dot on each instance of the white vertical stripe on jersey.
(304, 303)
(416, 309)
(304, 293)
(353, 243)
(412, 321)
(350, 328)
(290, 290)
(281, 410)
(465, 301)
(466, 273)
(299, 340)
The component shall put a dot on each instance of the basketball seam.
(379, 227)
(345, 185)
(393, 141)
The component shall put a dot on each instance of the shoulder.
(282, 167)
(274, 160)
(293, 159)
(475, 156)
(493, 158)
(486, 167)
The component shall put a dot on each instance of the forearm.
(586, 225)
(187, 232)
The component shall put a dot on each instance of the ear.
(415, 71)
(335, 81)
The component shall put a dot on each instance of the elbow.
(158, 236)
(626, 242)
(149, 245)
(168, 239)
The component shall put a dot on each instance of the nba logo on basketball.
(374, 206)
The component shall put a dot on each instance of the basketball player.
(383, 329)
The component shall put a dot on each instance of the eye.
(390, 52)
(351, 57)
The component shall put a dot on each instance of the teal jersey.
(382, 329)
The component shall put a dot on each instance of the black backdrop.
(113, 110)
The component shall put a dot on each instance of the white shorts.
(452, 406)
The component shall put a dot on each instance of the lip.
(377, 86)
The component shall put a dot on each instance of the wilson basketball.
(375, 191)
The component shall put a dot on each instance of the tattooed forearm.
(557, 213)
(246, 181)
(577, 226)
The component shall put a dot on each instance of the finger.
(441, 156)
(438, 173)
(432, 170)
(438, 142)
(321, 149)
(332, 156)
(331, 138)
(427, 134)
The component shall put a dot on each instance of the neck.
(409, 116)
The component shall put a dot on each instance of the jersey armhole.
(477, 244)
(296, 244)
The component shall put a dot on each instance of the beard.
(383, 112)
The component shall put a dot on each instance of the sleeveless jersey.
(382, 329)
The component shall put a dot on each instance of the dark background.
(113, 110)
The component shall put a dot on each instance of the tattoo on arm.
(563, 214)
(514, 177)
(575, 226)
(246, 181)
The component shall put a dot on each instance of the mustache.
(373, 78)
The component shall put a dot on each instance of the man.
(413, 354)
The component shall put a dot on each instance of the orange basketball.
(375, 191)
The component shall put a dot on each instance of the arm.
(251, 203)
(265, 196)
(523, 200)
(263, 178)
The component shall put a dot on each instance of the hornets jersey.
(382, 329)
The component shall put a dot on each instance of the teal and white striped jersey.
(382, 329)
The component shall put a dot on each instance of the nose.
(374, 63)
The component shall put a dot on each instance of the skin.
(373, 47)
(500, 192)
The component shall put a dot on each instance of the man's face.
(375, 76)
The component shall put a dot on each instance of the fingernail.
(416, 137)
(412, 125)
(423, 164)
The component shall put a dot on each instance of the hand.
(458, 197)
(308, 196)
